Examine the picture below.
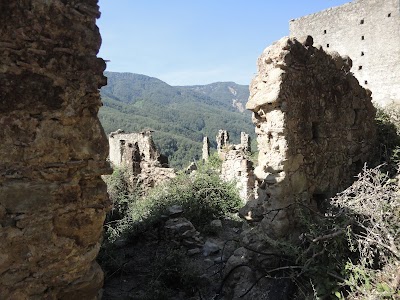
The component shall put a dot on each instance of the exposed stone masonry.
(314, 124)
(53, 150)
(315, 129)
(369, 32)
(206, 149)
(138, 153)
(236, 165)
(222, 140)
(245, 142)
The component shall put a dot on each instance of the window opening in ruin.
(389, 15)
(325, 31)
(327, 45)
(362, 37)
(360, 67)
(362, 21)
(362, 53)
(315, 131)
(366, 81)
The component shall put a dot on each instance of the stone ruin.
(53, 150)
(222, 140)
(206, 149)
(315, 129)
(138, 154)
(313, 120)
(236, 165)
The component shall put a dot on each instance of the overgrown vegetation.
(349, 251)
(388, 133)
(352, 251)
(202, 195)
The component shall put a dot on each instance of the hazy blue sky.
(185, 42)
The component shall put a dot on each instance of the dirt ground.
(154, 267)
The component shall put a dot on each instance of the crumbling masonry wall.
(236, 164)
(138, 154)
(52, 151)
(314, 125)
(315, 129)
(369, 32)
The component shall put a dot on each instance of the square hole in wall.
(389, 15)
(362, 53)
(365, 81)
(362, 37)
(327, 45)
(362, 21)
(325, 31)
(360, 67)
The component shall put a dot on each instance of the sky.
(189, 42)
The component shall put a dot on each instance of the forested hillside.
(180, 116)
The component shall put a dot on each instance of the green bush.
(202, 195)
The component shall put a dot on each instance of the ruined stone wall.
(314, 123)
(369, 32)
(222, 140)
(315, 129)
(237, 167)
(52, 151)
(138, 153)
(236, 164)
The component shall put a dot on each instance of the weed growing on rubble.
(202, 195)
(388, 133)
(353, 250)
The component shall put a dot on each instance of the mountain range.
(180, 115)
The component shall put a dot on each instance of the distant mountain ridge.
(180, 115)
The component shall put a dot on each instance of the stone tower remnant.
(222, 140)
(206, 149)
(315, 129)
(53, 150)
(369, 32)
(138, 153)
(245, 142)
(236, 165)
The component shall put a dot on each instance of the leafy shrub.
(121, 193)
(202, 195)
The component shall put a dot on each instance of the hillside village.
(295, 198)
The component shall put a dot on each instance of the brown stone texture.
(369, 32)
(314, 125)
(222, 140)
(137, 152)
(52, 151)
(315, 129)
(236, 165)
(206, 149)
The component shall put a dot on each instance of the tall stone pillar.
(245, 142)
(52, 151)
(206, 149)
